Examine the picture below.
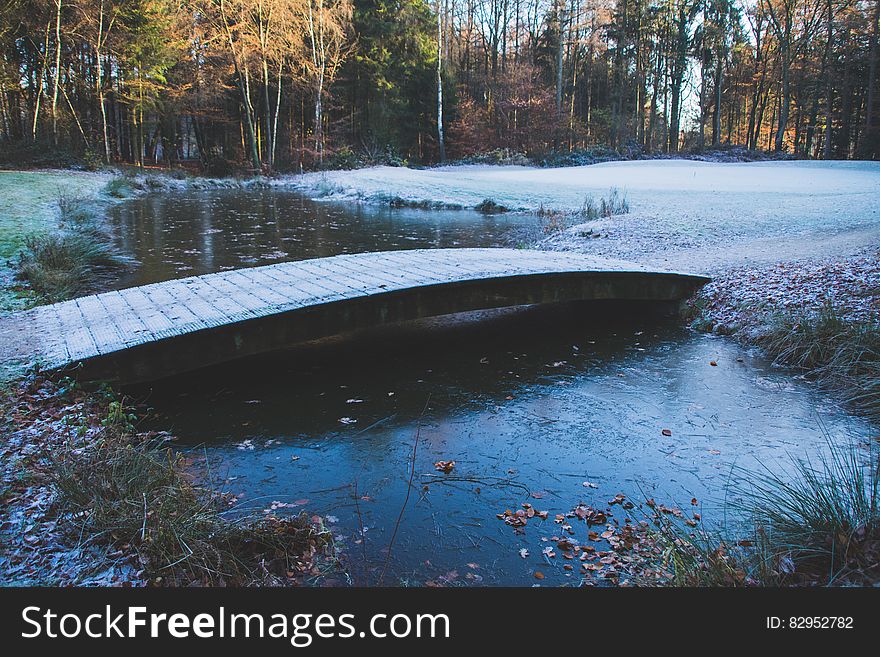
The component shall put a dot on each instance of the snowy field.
(700, 215)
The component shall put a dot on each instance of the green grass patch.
(28, 206)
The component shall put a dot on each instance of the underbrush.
(89, 494)
(840, 353)
(69, 261)
(140, 498)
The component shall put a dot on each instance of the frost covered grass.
(65, 262)
(527, 188)
(687, 215)
(141, 498)
(28, 206)
(88, 499)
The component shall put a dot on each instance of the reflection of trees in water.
(202, 232)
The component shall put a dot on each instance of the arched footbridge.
(148, 332)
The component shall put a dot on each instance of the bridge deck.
(314, 298)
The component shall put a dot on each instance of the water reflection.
(201, 232)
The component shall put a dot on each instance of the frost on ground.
(28, 204)
(701, 216)
(775, 236)
(38, 420)
(742, 298)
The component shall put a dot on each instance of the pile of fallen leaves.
(592, 543)
(742, 299)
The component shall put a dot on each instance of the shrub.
(489, 206)
(217, 166)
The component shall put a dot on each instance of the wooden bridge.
(148, 332)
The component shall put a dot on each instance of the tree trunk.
(440, 141)
(57, 71)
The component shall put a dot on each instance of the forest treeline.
(289, 84)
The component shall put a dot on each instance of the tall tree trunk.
(870, 144)
(40, 90)
(829, 84)
(678, 72)
(247, 108)
(57, 71)
(440, 140)
(270, 138)
(785, 36)
(277, 112)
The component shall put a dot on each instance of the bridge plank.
(107, 336)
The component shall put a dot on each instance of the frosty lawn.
(28, 205)
(682, 213)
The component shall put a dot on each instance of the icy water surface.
(531, 404)
(191, 233)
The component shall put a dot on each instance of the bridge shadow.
(515, 327)
(486, 355)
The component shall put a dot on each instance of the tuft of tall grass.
(697, 558)
(69, 261)
(58, 266)
(820, 525)
(816, 523)
(141, 499)
(615, 204)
